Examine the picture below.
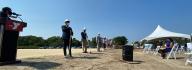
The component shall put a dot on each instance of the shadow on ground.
(132, 62)
(178, 58)
(42, 65)
(136, 62)
(85, 57)
(96, 53)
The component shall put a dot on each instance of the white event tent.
(160, 32)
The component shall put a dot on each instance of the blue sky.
(134, 19)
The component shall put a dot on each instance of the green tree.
(75, 43)
(54, 41)
(136, 44)
(120, 40)
(143, 42)
(30, 41)
(93, 43)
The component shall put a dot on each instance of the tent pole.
(191, 37)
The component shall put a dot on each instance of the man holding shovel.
(67, 37)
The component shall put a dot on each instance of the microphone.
(16, 14)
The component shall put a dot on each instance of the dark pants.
(104, 46)
(164, 51)
(66, 45)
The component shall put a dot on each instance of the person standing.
(67, 37)
(110, 43)
(99, 42)
(104, 43)
(84, 40)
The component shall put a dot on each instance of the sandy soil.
(32, 53)
(107, 60)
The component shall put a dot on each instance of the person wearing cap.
(67, 37)
(99, 42)
(84, 40)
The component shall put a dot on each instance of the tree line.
(34, 42)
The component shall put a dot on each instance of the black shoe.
(65, 57)
(70, 56)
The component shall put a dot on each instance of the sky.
(134, 19)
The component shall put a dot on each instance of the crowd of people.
(67, 39)
(67, 35)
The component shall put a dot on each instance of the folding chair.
(149, 50)
(173, 51)
(189, 54)
(156, 50)
(189, 47)
(145, 48)
(181, 50)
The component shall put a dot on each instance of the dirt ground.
(107, 60)
(33, 53)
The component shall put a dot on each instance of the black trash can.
(127, 53)
(9, 37)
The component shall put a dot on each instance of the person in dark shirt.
(67, 37)
(84, 40)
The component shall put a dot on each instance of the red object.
(12, 25)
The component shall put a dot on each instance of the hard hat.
(84, 28)
(67, 20)
(98, 33)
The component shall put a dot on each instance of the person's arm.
(62, 28)
(63, 31)
(86, 36)
(81, 35)
(71, 31)
(1, 18)
(96, 39)
(1, 21)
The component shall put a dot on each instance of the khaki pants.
(84, 45)
(98, 47)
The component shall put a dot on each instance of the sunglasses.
(67, 21)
